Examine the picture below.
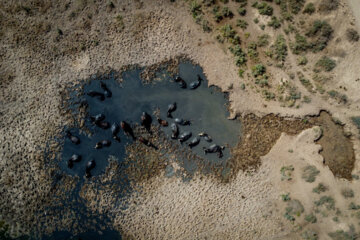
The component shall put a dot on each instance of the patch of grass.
(352, 35)
(286, 172)
(325, 63)
(208, 3)
(311, 218)
(342, 235)
(119, 22)
(309, 8)
(327, 201)
(256, 21)
(309, 235)
(263, 40)
(302, 60)
(274, 22)
(306, 83)
(241, 23)
(347, 193)
(300, 45)
(309, 173)
(320, 188)
(321, 31)
(206, 26)
(241, 74)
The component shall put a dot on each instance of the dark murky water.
(205, 107)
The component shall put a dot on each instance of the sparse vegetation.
(300, 45)
(195, 8)
(327, 201)
(342, 98)
(311, 218)
(296, 5)
(263, 40)
(353, 206)
(241, 11)
(356, 121)
(229, 34)
(286, 172)
(294, 208)
(280, 48)
(321, 31)
(325, 63)
(264, 8)
(342, 235)
(320, 188)
(285, 197)
(352, 35)
(328, 5)
(309, 235)
(302, 60)
(241, 23)
(309, 173)
(274, 22)
(258, 70)
(309, 8)
(347, 193)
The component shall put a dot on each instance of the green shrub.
(226, 12)
(263, 40)
(242, 11)
(229, 34)
(353, 206)
(294, 207)
(309, 173)
(347, 193)
(217, 14)
(241, 23)
(300, 45)
(206, 26)
(274, 23)
(224, 1)
(309, 8)
(258, 70)
(280, 48)
(302, 60)
(195, 8)
(264, 8)
(256, 21)
(320, 188)
(325, 63)
(240, 60)
(252, 50)
(356, 121)
(311, 218)
(327, 201)
(296, 5)
(285, 197)
(321, 31)
(352, 35)
(268, 96)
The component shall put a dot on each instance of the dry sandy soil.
(47, 46)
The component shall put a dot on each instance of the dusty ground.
(46, 46)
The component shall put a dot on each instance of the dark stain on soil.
(337, 148)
